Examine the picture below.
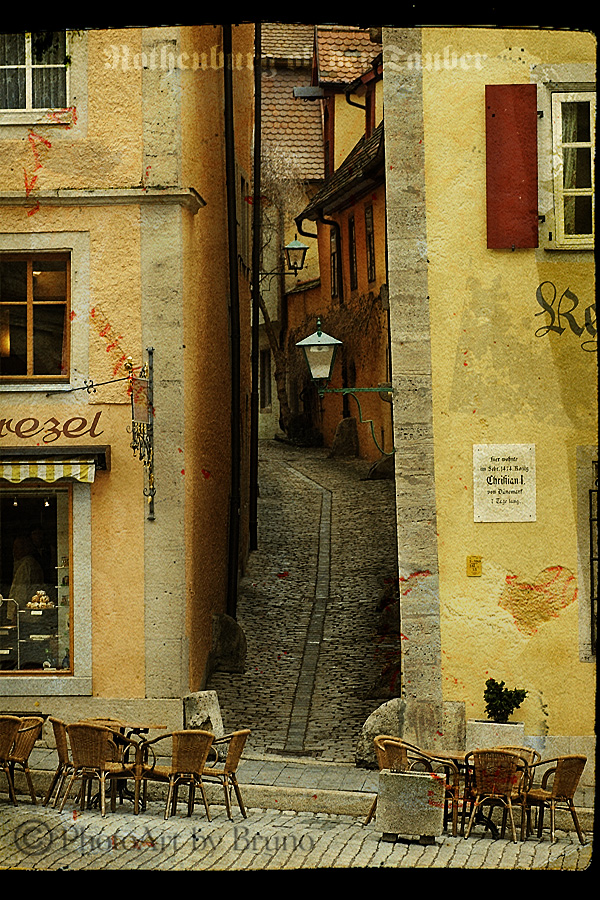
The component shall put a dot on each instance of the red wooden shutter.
(511, 165)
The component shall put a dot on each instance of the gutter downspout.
(234, 325)
(256, 231)
(337, 228)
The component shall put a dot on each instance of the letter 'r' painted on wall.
(511, 165)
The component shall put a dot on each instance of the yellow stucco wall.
(206, 320)
(123, 138)
(496, 382)
(117, 500)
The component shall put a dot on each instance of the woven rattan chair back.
(569, 770)
(495, 772)
(60, 737)
(391, 754)
(9, 725)
(190, 750)
(530, 755)
(235, 750)
(91, 745)
(28, 733)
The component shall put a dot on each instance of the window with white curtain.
(33, 70)
(573, 134)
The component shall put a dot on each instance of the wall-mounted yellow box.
(473, 565)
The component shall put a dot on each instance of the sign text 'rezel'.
(52, 429)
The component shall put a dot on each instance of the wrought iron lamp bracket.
(141, 389)
(382, 390)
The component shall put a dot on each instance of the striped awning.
(49, 471)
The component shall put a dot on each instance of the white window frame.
(74, 114)
(562, 78)
(562, 239)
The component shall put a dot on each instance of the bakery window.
(35, 579)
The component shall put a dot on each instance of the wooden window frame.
(38, 487)
(30, 377)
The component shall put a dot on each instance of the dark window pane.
(577, 168)
(49, 280)
(12, 49)
(48, 339)
(13, 281)
(48, 48)
(12, 89)
(13, 340)
(575, 121)
(578, 215)
(49, 88)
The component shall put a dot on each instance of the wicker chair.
(495, 777)
(565, 774)
(95, 755)
(9, 726)
(398, 755)
(226, 774)
(190, 749)
(28, 733)
(65, 764)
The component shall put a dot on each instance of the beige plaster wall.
(495, 381)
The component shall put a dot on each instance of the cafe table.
(129, 730)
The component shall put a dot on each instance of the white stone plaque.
(504, 483)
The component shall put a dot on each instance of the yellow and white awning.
(49, 471)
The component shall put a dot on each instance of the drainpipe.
(234, 326)
(256, 231)
(336, 226)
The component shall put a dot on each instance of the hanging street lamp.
(320, 353)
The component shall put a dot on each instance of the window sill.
(34, 386)
(67, 116)
(44, 685)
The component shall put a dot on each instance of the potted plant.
(496, 730)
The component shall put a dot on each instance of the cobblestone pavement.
(40, 838)
(308, 604)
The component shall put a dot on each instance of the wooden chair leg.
(11, 786)
(53, 784)
(191, 796)
(238, 795)
(576, 822)
(68, 791)
(170, 797)
(371, 811)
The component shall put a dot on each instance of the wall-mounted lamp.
(295, 256)
(320, 352)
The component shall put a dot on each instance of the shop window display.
(35, 580)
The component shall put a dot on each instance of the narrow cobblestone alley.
(308, 605)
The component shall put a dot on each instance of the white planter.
(410, 803)
(483, 734)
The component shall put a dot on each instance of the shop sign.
(51, 429)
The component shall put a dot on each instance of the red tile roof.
(344, 53)
(291, 127)
(283, 41)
